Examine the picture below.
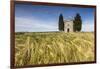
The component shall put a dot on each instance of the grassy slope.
(47, 48)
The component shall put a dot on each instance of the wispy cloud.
(34, 25)
(88, 26)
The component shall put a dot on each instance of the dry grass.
(48, 48)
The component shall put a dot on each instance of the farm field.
(53, 47)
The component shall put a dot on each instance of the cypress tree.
(77, 22)
(61, 23)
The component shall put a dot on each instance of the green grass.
(50, 47)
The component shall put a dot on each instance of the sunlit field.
(53, 47)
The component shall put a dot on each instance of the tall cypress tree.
(77, 23)
(61, 23)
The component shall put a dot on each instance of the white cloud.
(34, 25)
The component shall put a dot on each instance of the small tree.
(61, 23)
(77, 23)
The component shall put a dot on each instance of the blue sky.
(40, 18)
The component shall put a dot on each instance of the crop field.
(53, 47)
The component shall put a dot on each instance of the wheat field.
(53, 47)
